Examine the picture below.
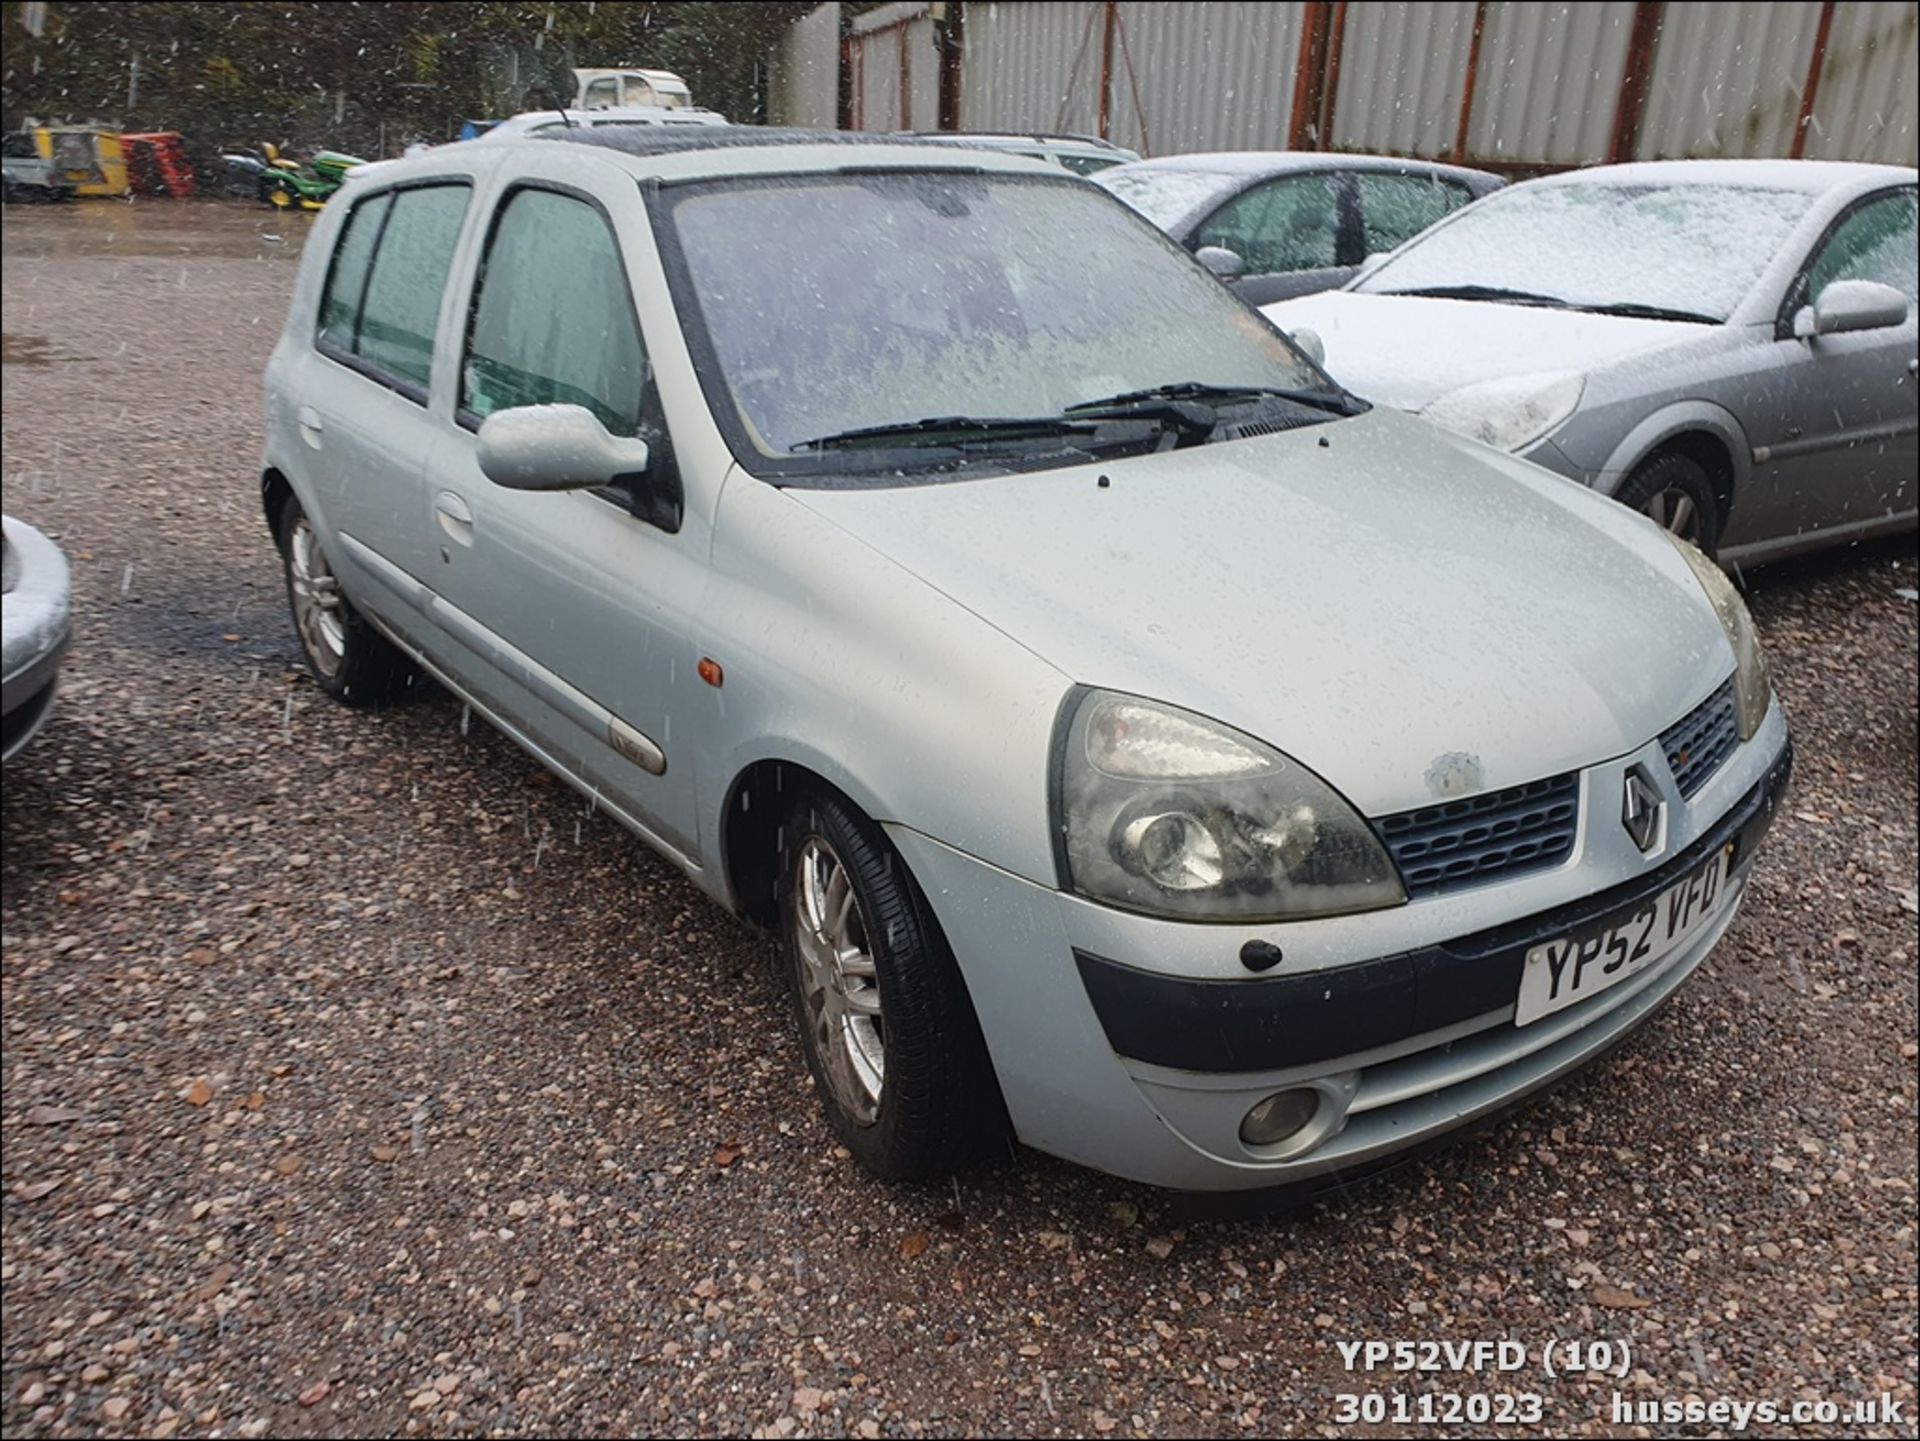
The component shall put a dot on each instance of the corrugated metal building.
(1511, 86)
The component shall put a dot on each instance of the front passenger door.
(574, 609)
(1291, 234)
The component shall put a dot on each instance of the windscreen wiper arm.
(1649, 312)
(1199, 392)
(949, 429)
(1481, 292)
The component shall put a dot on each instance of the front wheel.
(885, 1019)
(1676, 494)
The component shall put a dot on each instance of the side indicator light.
(710, 671)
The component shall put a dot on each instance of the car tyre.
(888, 1028)
(350, 660)
(1676, 494)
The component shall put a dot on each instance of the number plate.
(1561, 973)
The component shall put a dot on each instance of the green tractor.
(287, 186)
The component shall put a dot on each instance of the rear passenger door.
(573, 610)
(1291, 233)
(364, 418)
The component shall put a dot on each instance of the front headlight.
(1164, 811)
(1752, 680)
(1508, 414)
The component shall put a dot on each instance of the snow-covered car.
(35, 601)
(1130, 735)
(547, 122)
(1727, 346)
(1279, 223)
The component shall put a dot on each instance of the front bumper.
(1142, 1057)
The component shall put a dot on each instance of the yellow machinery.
(87, 159)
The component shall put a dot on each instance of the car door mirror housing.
(1372, 263)
(1309, 344)
(1221, 263)
(1848, 305)
(557, 447)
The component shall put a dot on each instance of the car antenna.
(565, 118)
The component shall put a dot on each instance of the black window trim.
(1795, 295)
(399, 384)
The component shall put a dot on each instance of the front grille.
(1701, 740)
(1484, 838)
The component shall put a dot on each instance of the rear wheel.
(1677, 495)
(885, 1019)
(350, 660)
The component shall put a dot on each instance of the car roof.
(570, 116)
(1250, 163)
(1814, 177)
(685, 152)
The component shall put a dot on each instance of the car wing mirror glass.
(1221, 262)
(1849, 305)
(556, 447)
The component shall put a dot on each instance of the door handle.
(455, 516)
(310, 425)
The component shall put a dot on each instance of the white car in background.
(37, 608)
(546, 122)
(1727, 346)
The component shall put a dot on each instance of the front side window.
(602, 94)
(835, 303)
(552, 323)
(1875, 242)
(382, 302)
(1395, 208)
(1281, 226)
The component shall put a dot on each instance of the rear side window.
(1395, 208)
(347, 283)
(390, 269)
(553, 322)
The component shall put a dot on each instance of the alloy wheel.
(318, 607)
(1673, 509)
(839, 989)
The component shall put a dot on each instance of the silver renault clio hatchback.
(1137, 743)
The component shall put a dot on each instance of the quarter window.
(1395, 208)
(1875, 242)
(1279, 227)
(382, 303)
(552, 322)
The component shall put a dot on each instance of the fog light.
(1279, 1116)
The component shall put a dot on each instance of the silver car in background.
(1278, 223)
(36, 601)
(1727, 346)
(1134, 740)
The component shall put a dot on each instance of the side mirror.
(1309, 344)
(1221, 262)
(1848, 305)
(555, 447)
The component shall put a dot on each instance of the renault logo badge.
(1640, 811)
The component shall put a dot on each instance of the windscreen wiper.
(1649, 312)
(935, 430)
(1482, 292)
(1201, 393)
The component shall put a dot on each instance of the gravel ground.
(356, 1081)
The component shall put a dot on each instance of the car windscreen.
(1164, 195)
(1689, 249)
(825, 304)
